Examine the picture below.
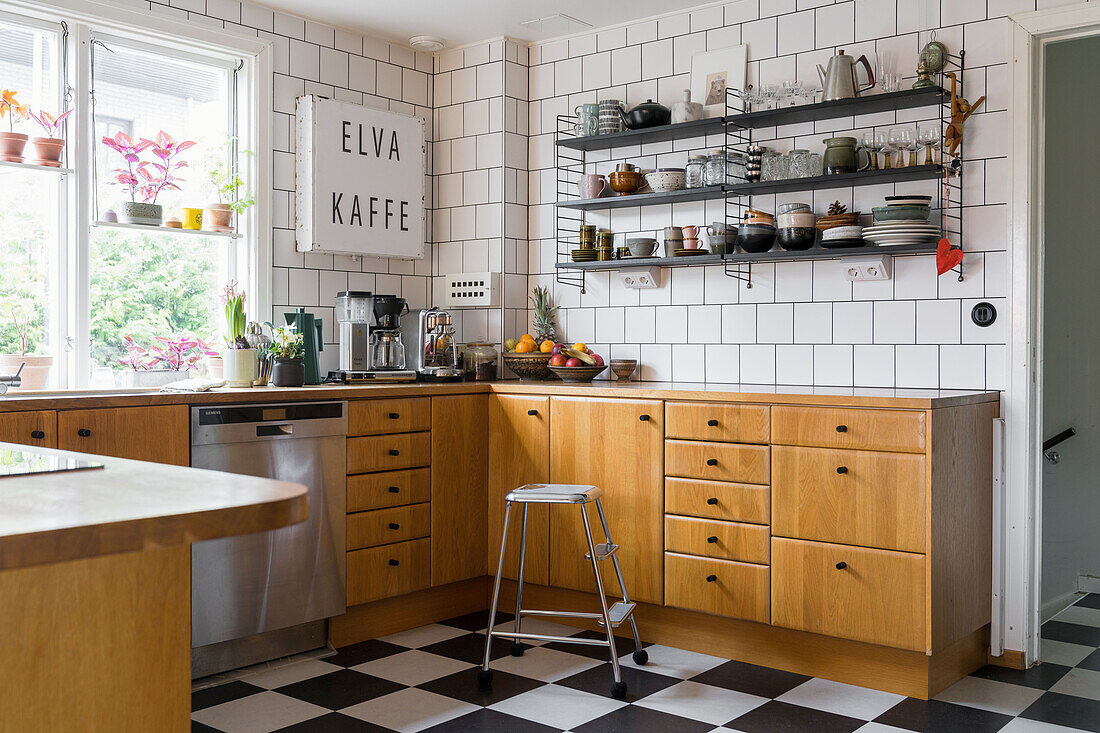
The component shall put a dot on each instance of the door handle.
(395, 563)
(532, 412)
(394, 416)
(395, 525)
(84, 432)
(712, 539)
(712, 423)
(712, 461)
(38, 434)
(712, 578)
(394, 452)
(394, 490)
(842, 469)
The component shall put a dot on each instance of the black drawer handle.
(712, 423)
(712, 578)
(37, 434)
(532, 412)
(395, 563)
(643, 418)
(712, 501)
(395, 525)
(842, 428)
(394, 415)
(394, 452)
(712, 461)
(712, 539)
(842, 469)
(84, 432)
(394, 490)
(841, 565)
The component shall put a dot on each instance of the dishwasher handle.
(268, 431)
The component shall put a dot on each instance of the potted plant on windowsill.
(168, 361)
(12, 143)
(238, 360)
(36, 373)
(288, 352)
(146, 178)
(48, 149)
(227, 184)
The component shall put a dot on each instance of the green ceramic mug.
(841, 156)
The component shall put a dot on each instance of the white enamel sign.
(360, 180)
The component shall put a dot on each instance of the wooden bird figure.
(960, 110)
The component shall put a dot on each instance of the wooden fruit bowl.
(577, 374)
(530, 367)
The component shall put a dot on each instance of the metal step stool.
(608, 618)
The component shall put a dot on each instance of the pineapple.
(544, 315)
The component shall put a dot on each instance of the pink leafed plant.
(148, 178)
(174, 353)
(49, 123)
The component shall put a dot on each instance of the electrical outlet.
(466, 289)
(879, 267)
(641, 278)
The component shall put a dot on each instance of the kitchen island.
(95, 586)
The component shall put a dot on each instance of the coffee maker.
(433, 353)
(370, 352)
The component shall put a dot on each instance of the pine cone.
(837, 208)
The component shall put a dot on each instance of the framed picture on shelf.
(712, 72)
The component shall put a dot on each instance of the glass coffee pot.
(387, 351)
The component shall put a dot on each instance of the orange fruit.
(546, 346)
(580, 347)
(525, 347)
(527, 337)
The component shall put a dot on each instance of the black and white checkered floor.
(425, 680)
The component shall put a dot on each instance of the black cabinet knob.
(643, 418)
(841, 565)
(395, 525)
(712, 501)
(84, 432)
(395, 563)
(37, 434)
(712, 423)
(394, 452)
(842, 469)
(394, 415)
(712, 578)
(712, 461)
(532, 412)
(842, 428)
(712, 539)
(394, 490)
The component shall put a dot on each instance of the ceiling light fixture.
(427, 43)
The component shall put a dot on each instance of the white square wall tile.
(723, 363)
(853, 323)
(672, 324)
(794, 281)
(895, 322)
(794, 364)
(873, 365)
(705, 324)
(833, 366)
(655, 363)
(775, 323)
(757, 364)
(796, 32)
(962, 367)
(917, 366)
(938, 322)
(813, 323)
(689, 363)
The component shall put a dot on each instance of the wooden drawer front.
(716, 421)
(875, 596)
(832, 427)
(389, 452)
(381, 417)
(747, 464)
(29, 428)
(717, 500)
(392, 488)
(725, 540)
(853, 497)
(385, 526)
(718, 587)
(387, 571)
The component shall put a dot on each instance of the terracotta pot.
(11, 146)
(48, 151)
(36, 373)
(221, 217)
(214, 367)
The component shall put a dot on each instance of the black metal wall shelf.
(839, 180)
(905, 99)
(645, 199)
(664, 133)
(778, 255)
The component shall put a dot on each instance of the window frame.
(253, 99)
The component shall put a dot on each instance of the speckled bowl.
(664, 180)
(530, 367)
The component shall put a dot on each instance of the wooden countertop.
(132, 505)
(921, 399)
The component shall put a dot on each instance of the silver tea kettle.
(839, 80)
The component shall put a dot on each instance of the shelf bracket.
(574, 278)
(739, 271)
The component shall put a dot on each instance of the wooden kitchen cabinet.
(519, 443)
(459, 457)
(29, 428)
(160, 434)
(615, 444)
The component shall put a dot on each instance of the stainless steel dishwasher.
(266, 595)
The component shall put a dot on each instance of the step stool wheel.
(517, 649)
(641, 656)
(484, 677)
(618, 690)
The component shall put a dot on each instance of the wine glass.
(792, 91)
(907, 141)
(771, 95)
(874, 142)
(929, 137)
(893, 142)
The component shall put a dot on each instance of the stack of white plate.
(901, 232)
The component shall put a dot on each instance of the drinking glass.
(896, 140)
(792, 92)
(874, 142)
(929, 137)
(890, 82)
(907, 142)
(772, 93)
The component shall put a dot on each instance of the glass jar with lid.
(725, 166)
(479, 362)
(695, 169)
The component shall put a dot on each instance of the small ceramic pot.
(288, 372)
(192, 218)
(625, 183)
(47, 151)
(214, 367)
(11, 146)
(239, 367)
(592, 186)
(796, 219)
(137, 212)
(623, 368)
(219, 217)
(36, 369)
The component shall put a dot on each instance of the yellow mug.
(192, 218)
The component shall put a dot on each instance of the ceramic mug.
(592, 186)
(588, 120)
(691, 232)
(192, 218)
(691, 243)
(719, 228)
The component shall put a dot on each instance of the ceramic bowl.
(577, 374)
(663, 180)
(842, 233)
(796, 219)
(625, 182)
(529, 367)
(642, 246)
(904, 212)
(623, 369)
(912, 199)
(796, 238)
(790, 208)
(755, 237)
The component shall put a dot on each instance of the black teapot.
(646, 114)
